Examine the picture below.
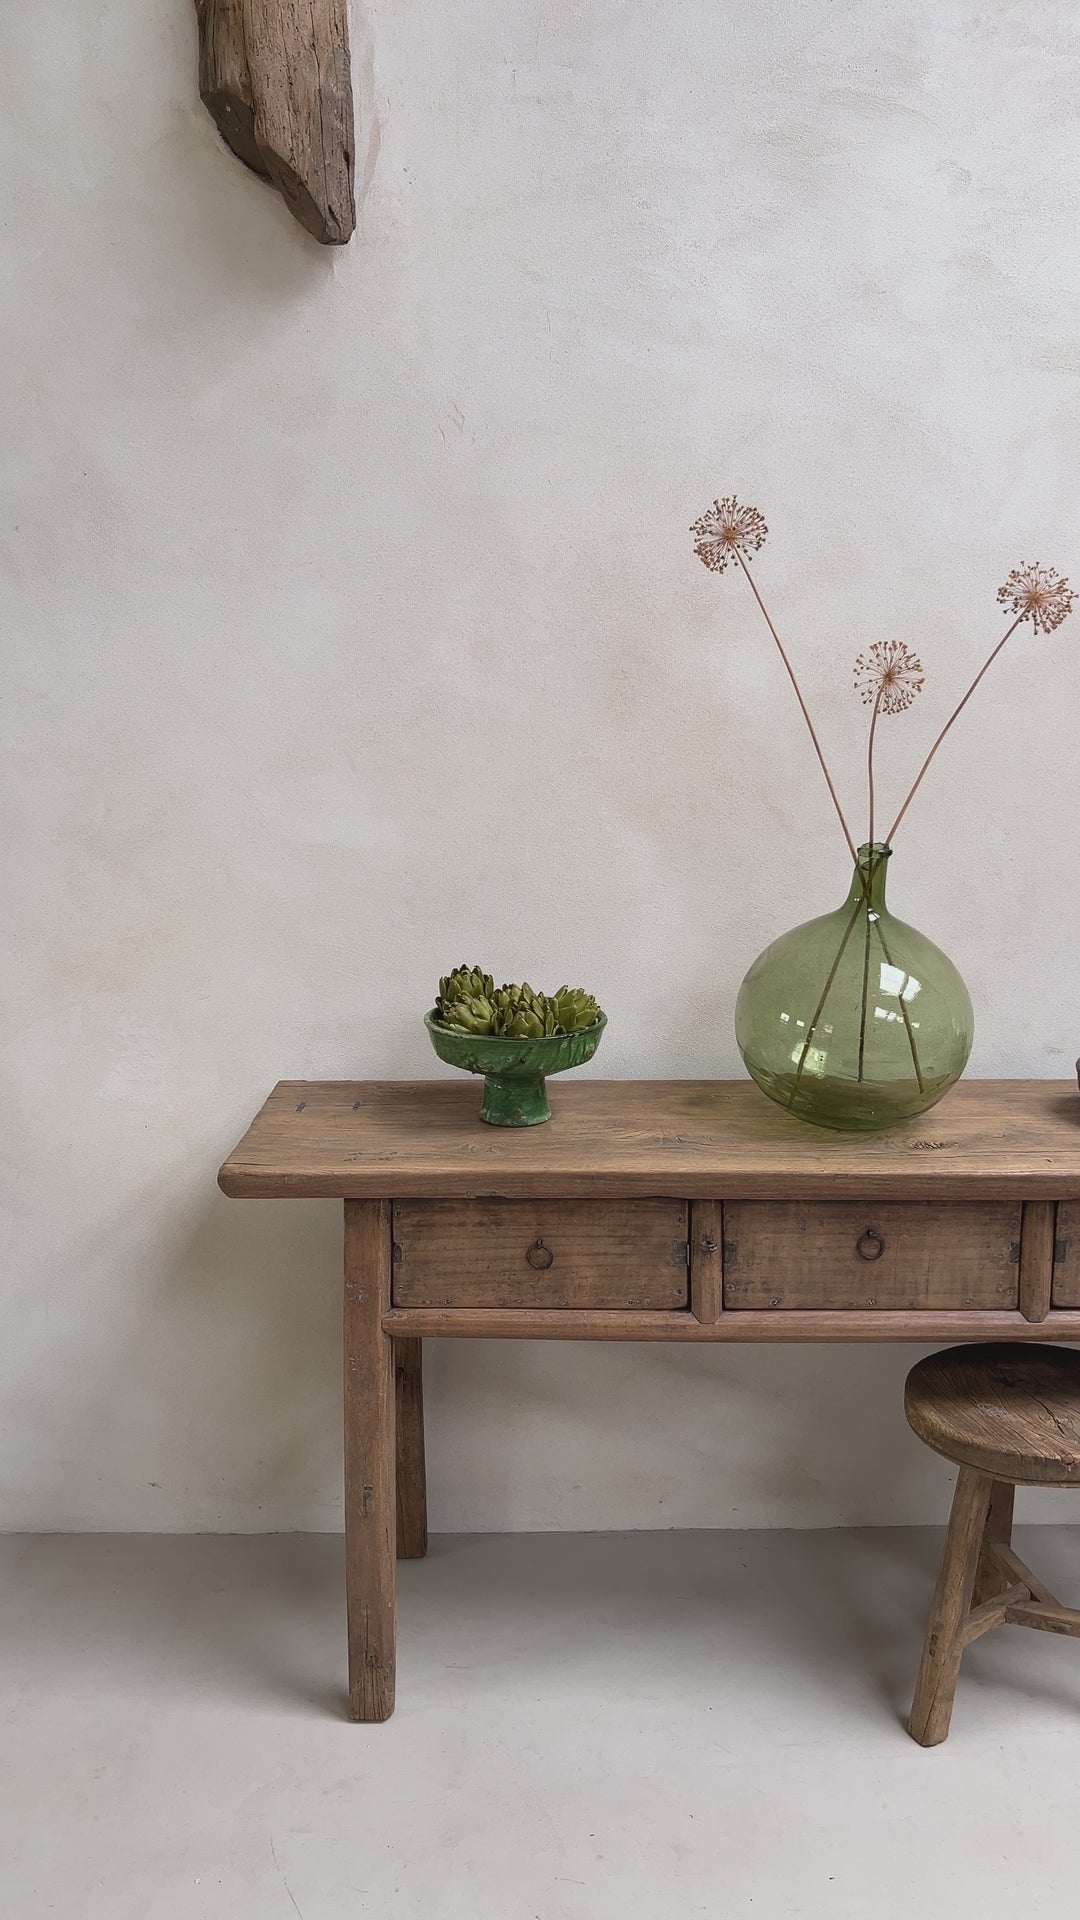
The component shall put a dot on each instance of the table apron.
(493, 1323)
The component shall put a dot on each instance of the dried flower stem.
(904, 1014)
(865, 993)
(802, 703)
(870, 765)
(870, 838)
(953, 717)
(818, 1010)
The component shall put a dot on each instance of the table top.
(684, 1139)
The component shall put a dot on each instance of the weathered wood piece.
(877, 1257)
(690, 1140)
(1009, 1410)
(370, 1527)
(939, 1671)
(1026, 1602)
(1014, 1569)
(985, 1615)
(992, 1576)
(225, 78)
(275, 75)
(707, 1261)
(412, 1534)
(1037, 1258)
(1067, 1256)
(602, 1254)
(298, 56)
(648, 1323)
(1046, 1619)
(942, 1195)
(1007, 1414)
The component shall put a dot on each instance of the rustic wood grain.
(369, 1462)
(985, 1615)
(298, 56)
(1046, 1619)
(545, 1323)
(650, 1148)
(225, 78)
(982, 1584)
(540, 1253)
(991, 1578)
(878, 1256)
(1067, 1256)
(1014, 1569)
(707, 1261)
(412, 1530)
(687, 1140)
(1037, 1258)
(1010, 1411)
(939, 1670)
(275, 75)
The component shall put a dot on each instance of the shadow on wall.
(259, 1289)
(587, 1436)
(211, 1397)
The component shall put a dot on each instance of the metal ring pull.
(870, 1245)
(539, 1256)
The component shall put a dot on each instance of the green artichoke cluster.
(470, 1002)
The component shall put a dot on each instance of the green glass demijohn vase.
(855, 1020)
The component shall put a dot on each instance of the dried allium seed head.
(888, 676)
(1037, 594)
(725, 531)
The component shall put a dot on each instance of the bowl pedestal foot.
(515, 1100)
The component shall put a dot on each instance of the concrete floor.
(590, 1727)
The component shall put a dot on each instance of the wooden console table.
(649, 1210)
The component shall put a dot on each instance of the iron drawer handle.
(870, 1245)
(539, 1256)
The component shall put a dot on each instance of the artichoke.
(471, 1015)
(522, 1025)
(464, 983)
(523, 1014)
(574, 1009)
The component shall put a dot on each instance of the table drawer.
(835, 1255)
(1067, 1255)
(540, 1253)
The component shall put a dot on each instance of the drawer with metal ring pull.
(836, 1255)
(540, 1253)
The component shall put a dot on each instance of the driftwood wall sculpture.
(275, 76)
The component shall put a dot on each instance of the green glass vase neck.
(868, 879)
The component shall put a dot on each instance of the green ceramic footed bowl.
(514, 1070)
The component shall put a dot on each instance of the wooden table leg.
(934, 1690)
(369, 1461)
(411, 1471)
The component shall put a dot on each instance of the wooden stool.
(1009, 1416)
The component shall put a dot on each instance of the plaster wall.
(351, 627)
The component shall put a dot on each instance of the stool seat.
(1011, 1410)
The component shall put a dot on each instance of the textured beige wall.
(352, 627)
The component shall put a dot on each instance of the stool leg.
(989, 1579)
(932, 1707)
